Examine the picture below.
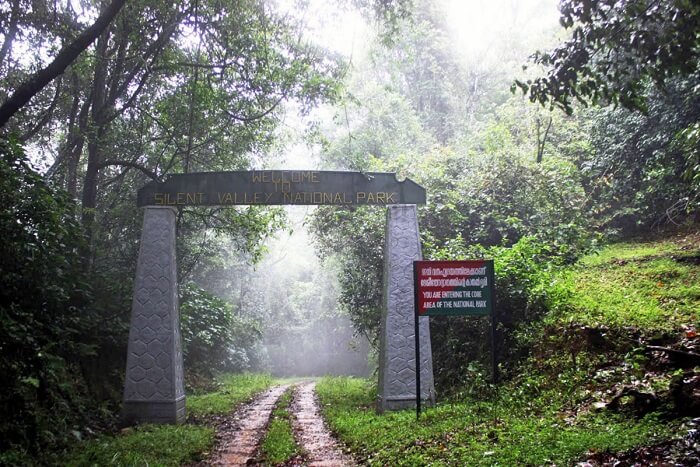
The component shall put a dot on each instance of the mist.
(307, 334)
(289, 298)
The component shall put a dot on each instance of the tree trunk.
(9, 35)
(77, 142)
(541, 140)
(97, 130)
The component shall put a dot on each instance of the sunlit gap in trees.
(293, 295)
(481, 28)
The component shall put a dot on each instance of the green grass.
(545, 415)
(642, 285)
(234, 389)
(279, 445)
(146, 445)
(630, 251)
(168, 445)
(511, 431)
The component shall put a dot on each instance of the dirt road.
(239, 436)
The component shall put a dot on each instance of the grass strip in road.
(507, 431)
(279, 445)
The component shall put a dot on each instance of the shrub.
(214, 338)
(42, 312)
(462, 344)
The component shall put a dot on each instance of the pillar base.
(167, 412)
(403, 403)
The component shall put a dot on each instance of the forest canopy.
(615, 50)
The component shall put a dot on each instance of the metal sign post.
(417, 337)
(494, 324)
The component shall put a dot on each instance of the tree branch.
(65, 57)
(47, 115)
(255, 117)
(149, 173)
(9, 35)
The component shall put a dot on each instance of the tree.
(614, 50)
(483, 183)
(639, 172)
(354, 238)
(214, 339)
(44, 319)
(122, 111)
(423, 67)
(142, 102)
(239, 64)
(65, 57)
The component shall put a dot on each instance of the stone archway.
(154, 385)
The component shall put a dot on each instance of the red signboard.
(454, 287)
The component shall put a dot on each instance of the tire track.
(311, 433)
(237, 443)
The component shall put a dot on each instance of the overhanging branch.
(65, 57)
(149, 173)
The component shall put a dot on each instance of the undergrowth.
(168, 445)
(505, 429)
(650, 286)
(233, 389)
(146, 445)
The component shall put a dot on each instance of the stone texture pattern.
(397, 377)
(154, 387)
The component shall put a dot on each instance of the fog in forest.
(306, 333)
(288, 301)
(288, 295)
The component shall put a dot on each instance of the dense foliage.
(615, 49)
(214, 339)
(172, 88)
(530, 188)
(168, 444)
(642, 171)
(44, 313)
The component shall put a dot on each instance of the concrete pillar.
(397, 374)
(154, 389)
